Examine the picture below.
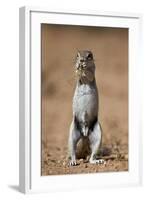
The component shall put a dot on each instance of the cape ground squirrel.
(85, 125)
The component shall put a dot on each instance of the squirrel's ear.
(78, 54)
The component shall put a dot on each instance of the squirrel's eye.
(90, 57)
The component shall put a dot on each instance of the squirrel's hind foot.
(97, 161)
(72, 163)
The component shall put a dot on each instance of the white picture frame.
(30, 137)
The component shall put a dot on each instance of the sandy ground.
(110, 49)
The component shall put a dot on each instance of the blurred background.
(60, 44)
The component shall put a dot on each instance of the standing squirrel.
(85, 124)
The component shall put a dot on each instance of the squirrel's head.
(85, 67)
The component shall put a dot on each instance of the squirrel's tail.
(83, 149)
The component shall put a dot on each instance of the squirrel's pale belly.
(85, 103)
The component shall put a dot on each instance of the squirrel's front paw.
(72, 163)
